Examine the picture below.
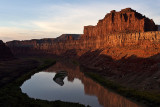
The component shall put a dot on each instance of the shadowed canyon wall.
(5, 52)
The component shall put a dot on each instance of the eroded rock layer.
(125, 21)
(116, 45)
(119, 34)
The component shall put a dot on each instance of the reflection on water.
(71, 86)
(59, 77)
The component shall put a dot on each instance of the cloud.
(13, 33)
(71, 18)
(55, 19)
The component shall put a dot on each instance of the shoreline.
(144, 98)
(11, 93)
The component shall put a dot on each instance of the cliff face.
(119, 34)
(116, 45)
(43, 46)
(125, 21)
(5, 52)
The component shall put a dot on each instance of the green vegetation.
(11, 95)
(147, 98)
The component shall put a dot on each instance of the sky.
(35, 19)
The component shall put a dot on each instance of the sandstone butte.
(120, 34)
(125, 21)
(5, 52)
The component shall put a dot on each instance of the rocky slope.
(5, 52)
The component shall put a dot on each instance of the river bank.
(144, 98)
(15, 73)
(19, 71)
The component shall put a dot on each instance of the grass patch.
(11, 95)
(147, 98)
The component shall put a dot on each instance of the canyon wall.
(119, 34)
(5, 52)
(125, 21)
(145, 41)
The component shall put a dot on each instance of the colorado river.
(65, 82)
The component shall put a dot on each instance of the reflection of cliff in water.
(59, 77)
(105, 97)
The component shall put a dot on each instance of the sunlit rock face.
(5, 52)
(125, 21)
(115, 45)
(119, 34)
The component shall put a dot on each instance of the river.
(65, 82)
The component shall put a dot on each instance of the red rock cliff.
(125, 21)
(115, 45)
(118, 34)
